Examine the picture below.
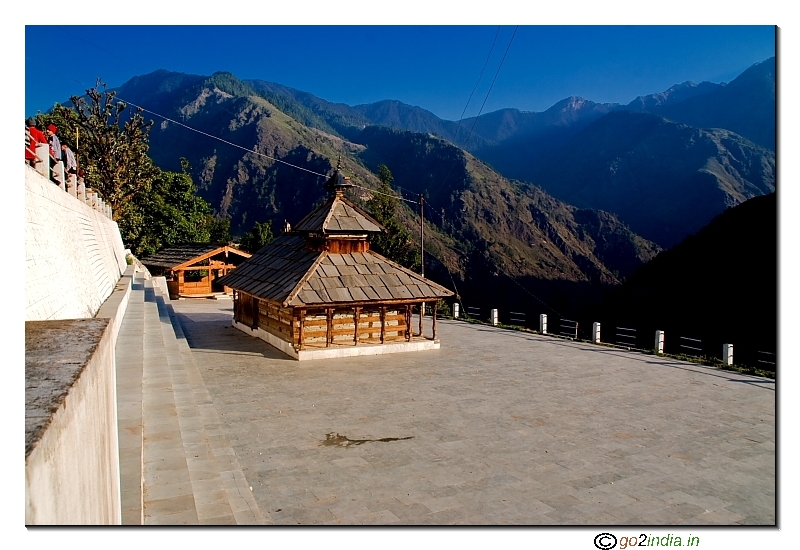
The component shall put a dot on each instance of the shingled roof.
(338, 216)
(286, 271)
(177, 255)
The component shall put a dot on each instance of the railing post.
(81, 190)
(72, 185)
(727, 354)
(58, 174)
(494, 317)
(659, 347)
(543, 323)
(596, 333)
(43, 159)
(455, 310)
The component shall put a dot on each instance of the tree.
(395, 243)
(154, 208)
(111, 145)
(169, 213)
(219, 229)
(258, 238)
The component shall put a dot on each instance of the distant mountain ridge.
(480, 225)
(534, 147)
(746, 106)
(666, 180)
(599, 157)
(675, 94)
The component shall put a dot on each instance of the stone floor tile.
(519, 435)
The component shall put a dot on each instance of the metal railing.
(568, 328)
(637, 339)
(626, 337)
(768, 359)
(516, 318)
(472, 312)
(690, 345)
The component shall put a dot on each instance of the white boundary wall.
(72, 474)
(74, 254)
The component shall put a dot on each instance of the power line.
(480, 77)
(384, 194)
(455, 137)
(256, 152)
(493, 81)
(222, 140)
(484, 101)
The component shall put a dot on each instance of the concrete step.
(168, 497)
(221, 485)
(177, 466)
(129, 353)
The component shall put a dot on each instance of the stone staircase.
(177, 466)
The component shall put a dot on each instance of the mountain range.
(537, 147)
(561, 202)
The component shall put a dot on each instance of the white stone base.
(336, 351)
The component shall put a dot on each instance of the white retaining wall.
(74, 254)
(72, 474)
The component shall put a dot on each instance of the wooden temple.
(318, 290)
(193, 269)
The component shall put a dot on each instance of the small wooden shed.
(193, 269)
(319, 286)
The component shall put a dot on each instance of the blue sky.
(434, 67)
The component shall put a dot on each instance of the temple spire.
(337, 183)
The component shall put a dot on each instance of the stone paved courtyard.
(496, 427)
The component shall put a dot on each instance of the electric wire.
(480, 77)
(484, 102)
(256, 152)
(472, 129)
(400, 197)
(220, 139)
(493, 81)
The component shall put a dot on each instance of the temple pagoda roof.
(338, 216)
(288, 272)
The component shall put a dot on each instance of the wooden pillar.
(435, 306)
(408, 322)
(421, 311)
(356, 315)
(300, 330)
(383, 324)
(256, 313)
(329, 334)
(180, 282)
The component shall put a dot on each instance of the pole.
(422, 233)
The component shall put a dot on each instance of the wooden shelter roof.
(286, 271)
(187, 254)
(337, 216)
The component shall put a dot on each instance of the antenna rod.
(422, 232)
